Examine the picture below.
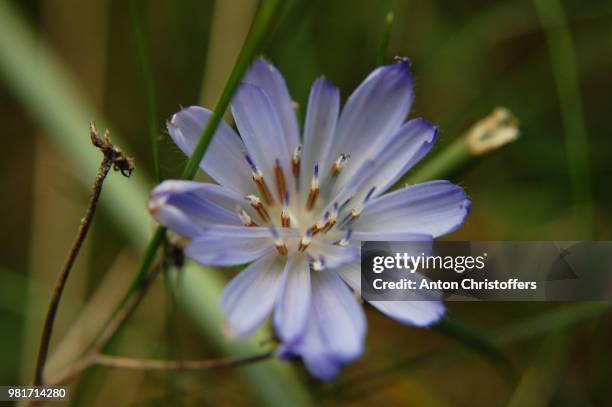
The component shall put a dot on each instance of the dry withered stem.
(113, 158)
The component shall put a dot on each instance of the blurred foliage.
(467, 57)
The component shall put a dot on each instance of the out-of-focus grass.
(384, 42)
(563, 61)
(538, 386)
(141, 45)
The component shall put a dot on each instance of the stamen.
(295, 163)
(346, 239)
(369, 195)
(344, 205)
(354, 214)
(339, 164)
(314, 189)
(249, 160)
(280, 180)
(278, 242)
(317, 227)
(258, 206)
(305, 241)
(259, 180)
(245, 218)
(285, 216)
(330, 224)
(263, 189)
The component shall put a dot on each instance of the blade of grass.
(148, 85)
(442, 165)
(384, 42)
(565, 72)
(540, 382)
(49, 94)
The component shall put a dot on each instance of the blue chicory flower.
(297, 214)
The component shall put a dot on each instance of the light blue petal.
(318, 358)
(334, 256)
(230, 231)
(336, 328)
(339, 192)
(339, 316)
(210, 250)
(175, 219)
(224, 151)
(351, 274)
(264, 75)
(322, 366)
(248, 299)
(400, 153)
(261, 132)
(319, 128)
(434, 208)
(293, 305)
(415, 313)
(187, 206)
(373, 113)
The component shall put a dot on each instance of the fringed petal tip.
(426, 127)
(465, 207)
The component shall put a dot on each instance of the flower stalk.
(494, 131)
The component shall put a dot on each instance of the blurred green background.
(65, 62)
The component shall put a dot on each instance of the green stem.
(540, 382)
(442, 165)
(148, 85)
(565, 72)
(384, 42)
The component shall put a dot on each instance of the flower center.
(286, 209)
